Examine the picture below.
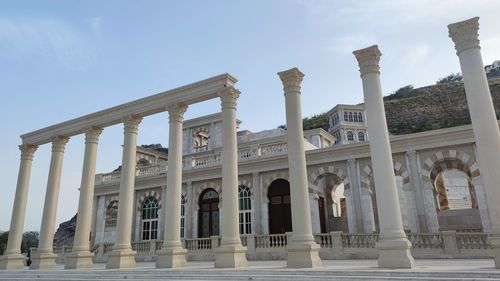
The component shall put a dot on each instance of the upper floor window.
(350, 136)
(350, 117)
(355, 117)
(361, 136)
(360, 117)
(183, 215)
(345, 117)
(338, 138)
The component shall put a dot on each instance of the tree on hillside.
(30, 240)
(452, 77)
(401, 92)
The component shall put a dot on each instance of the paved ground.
(456, 269)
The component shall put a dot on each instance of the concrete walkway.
(476, 269)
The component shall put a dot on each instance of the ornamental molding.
(92, 134)
(368, 60)
(59, 143)
(176, 112)
(291, 80)
(28, 151)
(465, 34)
(131, 124)
(228, 97)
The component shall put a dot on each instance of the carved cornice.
(291, 80)
(465, 34)
(176, 112)
(92, 134)
(131, 124)
(27, 151)
(59, 143)
(228, 97)
(368, 59)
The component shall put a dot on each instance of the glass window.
(150, 219)
(360, 117)
(183, 214)
(350, 136)
(345, 117)
(350, 117)
(245, 207)
(361, 136)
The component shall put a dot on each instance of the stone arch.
(200, 187)
(145, 194)
(268, 179)
(448, 159)
(317, 174)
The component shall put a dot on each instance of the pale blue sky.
(64, 59)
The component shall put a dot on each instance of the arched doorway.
(280, 212)
(208, 215)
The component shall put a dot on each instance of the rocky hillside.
(428, 108)
(65, 233)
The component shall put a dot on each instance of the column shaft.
(230, 253)
(393, 246)
(45, 258)
(81, 256)
(122, 255)
(12, 258)
(302, 250)
(172, 254)
(484, 122)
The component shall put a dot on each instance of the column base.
(395, 254)
(230, 256)
(121, 258)
(12, 261)
(171, 258)
(78, 260)
(43, 261)
(303, 255)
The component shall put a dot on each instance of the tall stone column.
(81, 257)
(484, 122)
(172, 253)
(122, 255)
(230, 253)
(44, 257)
(393, 246)
(12, 258)
(302, 250)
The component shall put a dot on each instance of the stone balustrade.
(334, 245)
(196, 162)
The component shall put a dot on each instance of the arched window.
(183, 215)
(350, 136)
(360, 117)
(150, 219)
(350, 117)
(245, 204)
(361, 136)
(345, 117)
(355, 117)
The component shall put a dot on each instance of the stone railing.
(472, 241)
(359, 240)
(426, 240)
(196, 162)
(108, 223)
(334, 245)
(206, 160)
(270, 241)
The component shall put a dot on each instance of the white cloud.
(490, 50)
(52, 40)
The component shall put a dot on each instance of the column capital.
(368, 59)
(176, 112)
(27, 151)
(228, 97)
(291, 80)
(131, 124)
(59, 143)
(92, 134)
(465, 34)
